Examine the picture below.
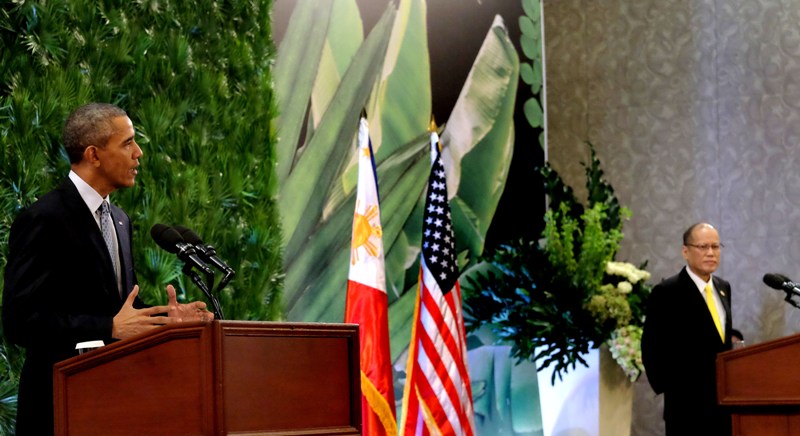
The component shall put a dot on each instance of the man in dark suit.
(70, 275)
(688, 323)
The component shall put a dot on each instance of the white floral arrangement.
(625, 343)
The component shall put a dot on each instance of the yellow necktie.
(712, 307)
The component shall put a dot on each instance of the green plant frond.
(159, 266)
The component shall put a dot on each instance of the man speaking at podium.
(688, 323)
(70, 275)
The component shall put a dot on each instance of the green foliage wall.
(195, 78)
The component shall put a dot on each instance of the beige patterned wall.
(694, 108)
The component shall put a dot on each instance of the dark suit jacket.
(679, 350)
(60, 289)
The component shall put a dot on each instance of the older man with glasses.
(688, 323)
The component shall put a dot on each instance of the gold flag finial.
(433, 129)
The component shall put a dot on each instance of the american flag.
(438, 397)
(367, 302)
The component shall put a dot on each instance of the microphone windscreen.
(188, 235)
(157, 230)
(775, 281)
(166, 237)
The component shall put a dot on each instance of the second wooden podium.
(760, 386)
(226, 377)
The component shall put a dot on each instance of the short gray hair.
(88, 125)
(687, 235)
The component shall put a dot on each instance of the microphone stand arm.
(187, 269)
(789, 300)
(229, 273)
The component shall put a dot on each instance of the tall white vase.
(570, 406)
(593, 401)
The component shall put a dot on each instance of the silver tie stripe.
(106, 227)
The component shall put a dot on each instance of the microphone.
(170, 240)
(782, 283)
(207, 252)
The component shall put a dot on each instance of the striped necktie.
(106, 227)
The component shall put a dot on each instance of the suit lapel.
(86, 224)
(724, 295)
(121, 225)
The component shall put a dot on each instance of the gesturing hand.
(195, 311)
(131, 321)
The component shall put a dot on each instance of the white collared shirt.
(701, 286)
(93, 201)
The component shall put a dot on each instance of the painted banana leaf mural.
(326, 73)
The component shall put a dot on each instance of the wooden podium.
(761, 385)
(226, 377)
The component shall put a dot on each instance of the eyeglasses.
(705, 247)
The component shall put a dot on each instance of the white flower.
(624, 287)
(627, 270)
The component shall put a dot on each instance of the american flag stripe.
(444, 346)
(441, 388)
(442, 384)
(431, 387)
(444, 343)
